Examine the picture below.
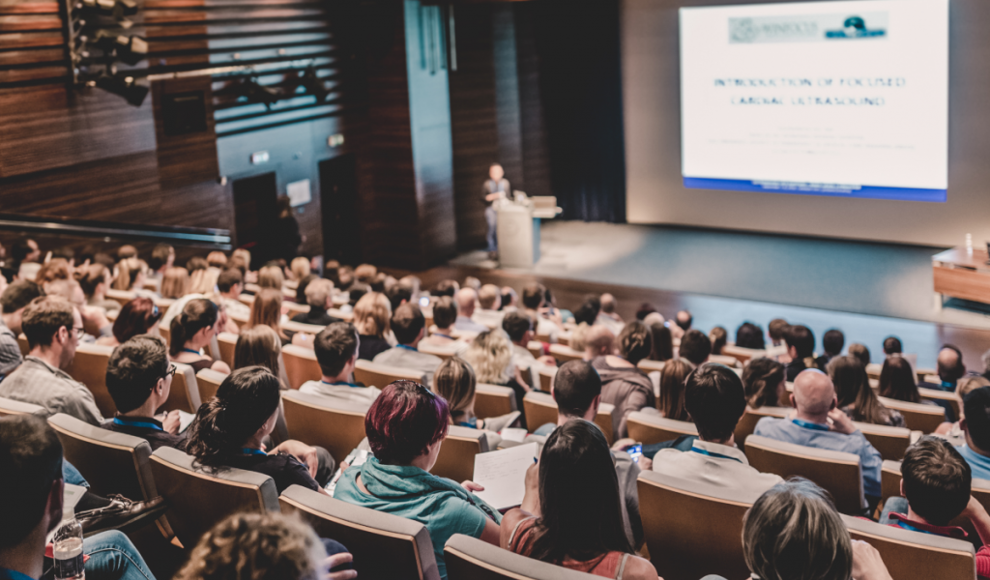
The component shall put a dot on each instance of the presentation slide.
(817, 98)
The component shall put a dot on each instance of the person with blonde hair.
(271, 277)
(299, 268)
(372, 315)
(95, 280)
(131, 276)
(593, 341)
(266, 310)
(319, 296)
(455, 381)
(265, 546)
(217, 259)
(53, 269)
(258, 346)
(204, 281)
(175, 283)
(490, 355)
(365, 273)
(489, 300)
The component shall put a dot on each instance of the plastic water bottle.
(969, 244)
(68, 550)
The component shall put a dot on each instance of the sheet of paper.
(514, 434)
(185, 420)
(503, 475)
(71, 494)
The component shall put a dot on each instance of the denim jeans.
(112, 556)
(491, 216)
(71, 475)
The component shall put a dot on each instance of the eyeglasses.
(171, 371)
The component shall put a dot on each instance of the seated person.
(950, 369)
(466, 299)
(319, 296)
(444, 315)
(336, 349)
(456, 383)
(800, 349)
(975, 425)
(663, 341)
(192, 331)
(715, 398)
(230, 430)
(519, 326)
(861, 352)
(230, 284)
(763, 379)
(832, 343)
(139, 316)
(266, 310)
(490, 355)
(936, 485)
(268, 546)
(534, 304)
(672, 380)
(891, 346)
(719, 337)
(856, 396)
(52, 327)
(405, 427)
(682, 323)
(593, 341)
(489, 314)
(623, 384)
(95, 280)
(749, 335)
(579, 527)
(409, 327)
(607, 316)
(371, 318)
(819, 423)
(897, 381)
(13, 301)
(695, 347)
(139, 378)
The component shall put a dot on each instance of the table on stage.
(961, 273)
(519, 230)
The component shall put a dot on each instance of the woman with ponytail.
(231, 429)
(191, 331)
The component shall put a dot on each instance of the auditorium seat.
(493, 401)
(11, 407)
(384, 545)
(300, 365)
(691, 528)
(335, 425)
(891, 442)
(468, 558)
(381, 376)
(652, 428)
(540, 409)
(949, 397)
(89, 367)
(742, 354)
(184, 394)
(345, 316)
(311, 329)
(535, 348)
(729, 361)
(208, 381)
(917, 417)
(445, 352)
(456, 458)
(747, 423)
(22, 342)
(165, 333)
(564, 353)
(545, 375)
(649, 366)
(839, 473)
(199, 499)
(909, 554)
(295, 309)
(227, 341)
(121, 296)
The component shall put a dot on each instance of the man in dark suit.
(319, 296)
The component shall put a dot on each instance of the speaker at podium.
(519, 228)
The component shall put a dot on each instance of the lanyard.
(810, 425)
(125, 422)
(472, 423)
(192, 351)
(713, 454)
(407, 347)
(343, 384)
(908, 526)
(249, 451)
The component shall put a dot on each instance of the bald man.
(950, 369)
(466, 298)
(818, 422)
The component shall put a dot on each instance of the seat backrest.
(89, 367)
(456, 458)
(383, 545)
(747, 423)
(166, 334)
(535, 348)
(546, 377)
(312, 329)
(22, 342)
(112, 463)
(722, 359)
(335, 425)
(648, 366)
(199, 499)
(207, 382)
(381, 376)
(741, 354)
(121, 296)
(345, 316)
(493, 401)
(540, 409)
(469, 558)
(227, 341)
(300, 365)
(909, 554)
(12, 407)
(652, 428)
(444, 352)
(839, 473)
(604, 420)
(891, 442)
(917, 417)
(565, 353)
(949, 397)
(184, 394)
(691, 528)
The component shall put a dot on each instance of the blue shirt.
(980, 464)
(856, 443)
(6, 574)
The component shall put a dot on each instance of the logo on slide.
(855, 27)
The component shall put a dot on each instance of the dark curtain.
(581, 84)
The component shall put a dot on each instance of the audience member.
(259, 346)
(832, 343)
(130, 277)
(860, 351)
(139, 378)
(372, 315)
(855, 396)
(950, 369)
(230, 430)
(663, 342)
(319, 296)
(749, 335)
(607, 315)
(775, 329)
(715, 399)
(241, 260)
(533, 301)
(266, 310)
(336, 349)
(682, 323)
(623, 384)
(405, 427)
(718, 337)
(695, 347)
(95, 321)
(52, 270)
(52, 327)
(490, 355)
(271, 276)
(303, 284)
(405, 291)
(897, 381)
(204, 281)
(818, 422)
(25, 256)
(490, 301)
(268, 546)
(162, 258)
(444, 316)
(510, 299)
(298, 268)
(408, 325)
(519, 327)
(587, 313)
(230, 284)
(175, 283)
(975, 425)
(672, 382)
(446, 288)
(763, 380)
(892, 345)
(193, 330)
(593, 341)
(800, 349)
(466, 298)
(365, 273)
(13, 301)
(455, 381)
(95, 280)
(139, 316)
(579, 527)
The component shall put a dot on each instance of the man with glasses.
(53, 328)
(139, 378)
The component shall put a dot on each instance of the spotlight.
(129, 49)
(124, 86)
(314, 86)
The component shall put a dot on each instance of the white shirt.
(341, 392)
(403, 357)
(714, 464)
(488, 318)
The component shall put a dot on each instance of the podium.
(518, 229)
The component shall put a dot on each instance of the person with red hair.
(139, 316)
(405, 426)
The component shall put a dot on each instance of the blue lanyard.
(249, 451)
(810, 425)
(407, 347)
(471, 423)
(192, 351)
(713, 454)
(343, 384)
(125, 422)
(908, 526)
(947, 386)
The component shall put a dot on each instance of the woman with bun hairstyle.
(191, 331)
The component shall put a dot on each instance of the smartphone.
(424, 301)
(636, 451)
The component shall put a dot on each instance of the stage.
(869, 290)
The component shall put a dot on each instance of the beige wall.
(655, 195)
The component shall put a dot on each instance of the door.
(339, 200)
(255, 213)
